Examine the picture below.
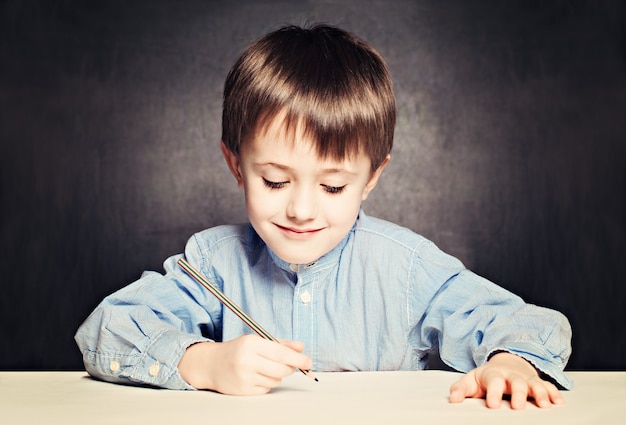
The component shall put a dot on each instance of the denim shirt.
(383, 299)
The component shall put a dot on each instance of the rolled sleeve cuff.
(549, 366)
(156, 366)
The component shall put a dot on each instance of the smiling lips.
(298, 233)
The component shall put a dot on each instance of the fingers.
(263, 363)
(540, 394)
(545, 393)
(294, 345)
(519, 392)
(496, 387)
(288, 353)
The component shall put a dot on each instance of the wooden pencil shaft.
(223, 298)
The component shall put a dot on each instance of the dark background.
(510, 149)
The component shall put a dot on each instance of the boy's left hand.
(506, 373)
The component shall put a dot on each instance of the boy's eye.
(334, 190)
(274, 185)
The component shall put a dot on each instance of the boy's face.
(302, 206)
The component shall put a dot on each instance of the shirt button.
(114, 366)
(293, 267)
(154, 369)
(305, 297)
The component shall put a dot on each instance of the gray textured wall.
(509, 154)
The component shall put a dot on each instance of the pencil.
(198, 277)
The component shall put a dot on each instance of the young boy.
(308, 125)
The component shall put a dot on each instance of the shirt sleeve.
(138, 334)
(471, 318)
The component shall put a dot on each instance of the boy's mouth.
(297, 233)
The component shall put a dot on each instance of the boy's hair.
(334, 85)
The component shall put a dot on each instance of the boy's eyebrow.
(331, 170)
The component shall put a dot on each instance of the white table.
(380, 398)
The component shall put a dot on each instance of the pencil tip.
(316, 380)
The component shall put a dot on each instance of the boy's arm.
(137, 335)
(160, 329)
(471, 319)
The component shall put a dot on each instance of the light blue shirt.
(383, 299)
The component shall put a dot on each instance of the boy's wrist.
(511, 360)
(194, 365)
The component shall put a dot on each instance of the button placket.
(304, 306)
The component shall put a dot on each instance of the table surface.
(354, 397)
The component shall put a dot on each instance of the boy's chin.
(298, 260)
(292, 257)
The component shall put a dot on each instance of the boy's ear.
(371, 184)
(232, 160)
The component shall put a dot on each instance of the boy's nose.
(302, 205)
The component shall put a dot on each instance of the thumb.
(466, 387)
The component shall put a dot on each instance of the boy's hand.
(247, 365)
(506, 373)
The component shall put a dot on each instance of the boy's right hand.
(247, 365)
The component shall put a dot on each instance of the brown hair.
(324, 78)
